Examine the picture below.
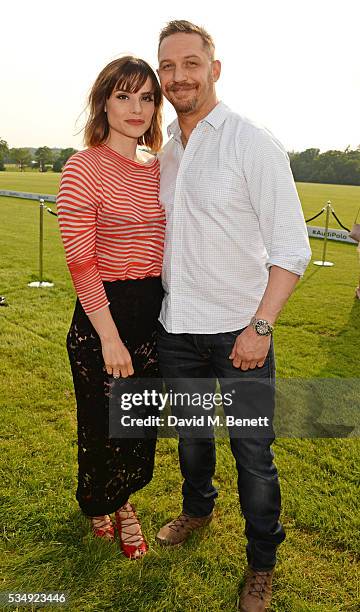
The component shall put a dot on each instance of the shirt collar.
(215, 118)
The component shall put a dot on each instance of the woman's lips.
(135, 121)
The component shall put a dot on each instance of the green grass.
(345, 199)
(31, 182)
(46, 542)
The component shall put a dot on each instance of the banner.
(28, 196)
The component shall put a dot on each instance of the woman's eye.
(148, 98)
(122, 97)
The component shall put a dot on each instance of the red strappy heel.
(102, 527)
(128, 541)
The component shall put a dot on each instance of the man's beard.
(188, 106)
(184, 107)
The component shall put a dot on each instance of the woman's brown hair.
(128, 74)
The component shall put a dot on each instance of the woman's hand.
(116, 358)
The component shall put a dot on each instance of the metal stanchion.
(41, 282)
(323, 262)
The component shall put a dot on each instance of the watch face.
(262, 327)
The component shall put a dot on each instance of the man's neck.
(187, 122)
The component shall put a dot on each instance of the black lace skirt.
(111, 469)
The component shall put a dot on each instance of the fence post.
(41, 282)
(41, 242)
(323, 262)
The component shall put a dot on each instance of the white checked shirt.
(232, 212)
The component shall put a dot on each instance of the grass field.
(33, 182)
(46, 542)
(345, 199)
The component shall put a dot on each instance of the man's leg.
(258, 484)
(182, 360)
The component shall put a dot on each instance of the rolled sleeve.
(276, 202)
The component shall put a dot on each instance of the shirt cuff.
(90, 312)
(296, 265)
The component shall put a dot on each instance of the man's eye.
(165, 66)
(192, 64)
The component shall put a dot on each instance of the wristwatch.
(262, 326)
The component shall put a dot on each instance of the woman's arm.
(77, 212)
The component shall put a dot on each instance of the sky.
(290, 65)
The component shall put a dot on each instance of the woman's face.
(130, 114)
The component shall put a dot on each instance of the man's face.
(187, 73)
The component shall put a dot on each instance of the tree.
(303, 164)
(309, 155)
(57, 165)
(44, 156)
(62, 158)
(337, 167)
(66, 153)
(22, 157)
(4, 151)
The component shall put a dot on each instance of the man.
(235, 248)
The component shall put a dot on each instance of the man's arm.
(280, 286)
(273, 195)
(250, 349)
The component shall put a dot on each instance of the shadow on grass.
(336, 349)
(306, 280)
(327, 405)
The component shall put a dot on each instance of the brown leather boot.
(178, 530)
(257, 591)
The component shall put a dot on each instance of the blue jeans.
(206, 356)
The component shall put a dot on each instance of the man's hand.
(250, 350)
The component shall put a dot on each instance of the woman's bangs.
(133, 77)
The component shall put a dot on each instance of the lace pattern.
(111, 469)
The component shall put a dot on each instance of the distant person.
(236, 245)
(355, 235)
(113, 228)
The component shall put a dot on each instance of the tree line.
(42, 158)
(337, 167)
(310, 166)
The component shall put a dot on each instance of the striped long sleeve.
(77, 210)
(111, 222)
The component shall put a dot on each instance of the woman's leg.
(111, 469)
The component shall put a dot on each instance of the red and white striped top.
(111, 221)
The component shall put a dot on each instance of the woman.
(113, 227)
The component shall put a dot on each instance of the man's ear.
(216, 69)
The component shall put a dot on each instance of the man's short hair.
(186, 27)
